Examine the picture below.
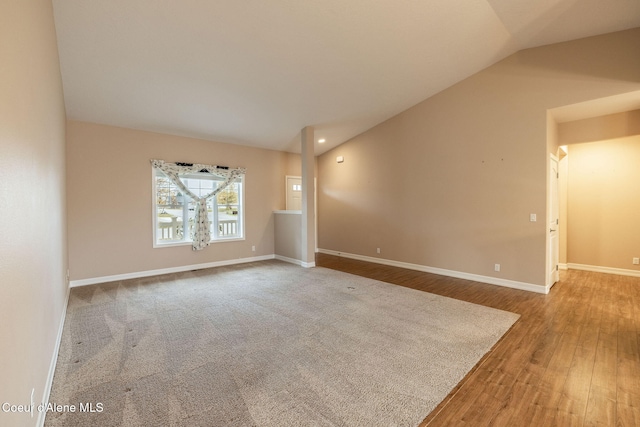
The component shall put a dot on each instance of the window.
(174, 212)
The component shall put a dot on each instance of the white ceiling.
(255, 72)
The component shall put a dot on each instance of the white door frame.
(552, 225)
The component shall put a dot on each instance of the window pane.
(228, 201)
(201, 186)
(169, 210)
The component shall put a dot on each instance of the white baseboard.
(607, 270)
(54, 362)
(562, 266)
(287, 259)
(295, 261)
(443, 272)
(139, 274)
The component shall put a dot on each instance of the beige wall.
(33, 249)
(599, 128)
(110, 202)
(450, 183)
(603, 197)
(288, 235)
(292, 166)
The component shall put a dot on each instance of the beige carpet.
(264, 344)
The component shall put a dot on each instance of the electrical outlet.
(496, 267)
(533, 217)
(636, 261)
(378, 250)
(253, 248)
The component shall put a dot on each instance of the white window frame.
(186, 241)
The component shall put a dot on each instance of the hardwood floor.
(572, 359)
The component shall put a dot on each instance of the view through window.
(175, 211)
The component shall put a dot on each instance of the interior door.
(554, 222)
(294, 193)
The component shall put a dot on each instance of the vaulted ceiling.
(255, 72)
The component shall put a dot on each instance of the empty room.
(335, 213)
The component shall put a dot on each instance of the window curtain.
(202, 234)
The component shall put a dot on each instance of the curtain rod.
(202, 170)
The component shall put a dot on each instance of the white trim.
(139, 274)
(549, 267)
(54, 361)
(295, 261)
(170, 244)
(443, 272)
(563, 266)
(289, 260)
(606, 270)
(173, 244)
(154, 206)
(288, 212)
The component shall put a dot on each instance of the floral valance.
(202, 234)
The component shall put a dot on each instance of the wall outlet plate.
(636, 261)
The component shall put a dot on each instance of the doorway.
(603, 183)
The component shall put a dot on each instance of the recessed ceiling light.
(321, 140)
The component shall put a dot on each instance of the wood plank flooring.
(572, 359)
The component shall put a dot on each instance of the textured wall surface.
(33, 252)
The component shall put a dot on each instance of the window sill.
(173, 244)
